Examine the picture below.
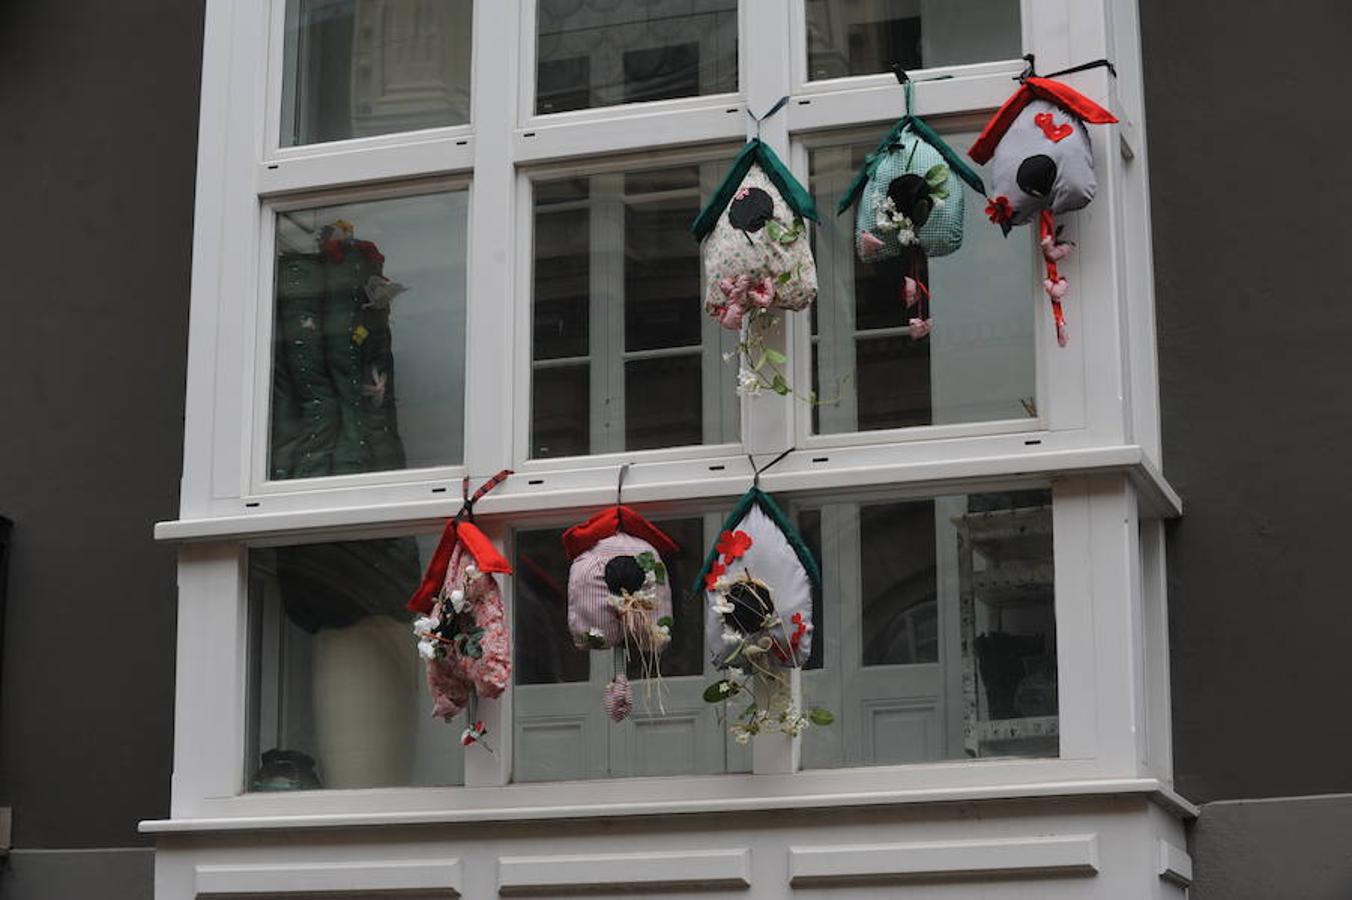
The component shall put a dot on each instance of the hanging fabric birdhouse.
(757, 257)
(1042, 163)
(758, 582)
(461, 629)
(619, 595)
(910, 204)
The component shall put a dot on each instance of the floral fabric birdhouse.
(461, 628)
(757, 257)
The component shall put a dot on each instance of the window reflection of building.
(599, 52)
(368, 67)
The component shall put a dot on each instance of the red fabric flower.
(733, 544)
(999, 210)
(711, 578)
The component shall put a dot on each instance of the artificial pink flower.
(729, 315)
(1053, 252)
(909, 291)
(919, 328)
(869, 244)
(1055, 289)
(762, 293)
(734, 288)
(741, 192)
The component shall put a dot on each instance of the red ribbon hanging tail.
(1055, 285)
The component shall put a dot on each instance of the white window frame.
(1095, 440)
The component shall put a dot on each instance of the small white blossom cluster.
(424, 627)
(889, 218)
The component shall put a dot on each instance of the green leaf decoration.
(776, 357)
(660, 573)
(720, 691)
(665, 620)
(780, 386)
(774, 229)
(937, 175)
(819, 716)
(596, 641)
(646, 560)
(783, 278)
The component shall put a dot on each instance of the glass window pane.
(594, 53)
(338, 694)
(979, 363)
(944, 640)
(861, 37)
(623, 356)
(368, 364)
(662, 402)
(356, 68)
(562, 731)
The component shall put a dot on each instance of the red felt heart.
(1053, 131)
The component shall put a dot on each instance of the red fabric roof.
(1063, 95)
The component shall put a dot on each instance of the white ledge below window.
(937, 476)
(1155, 790)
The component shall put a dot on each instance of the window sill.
(1157, 496)
(1155, 790)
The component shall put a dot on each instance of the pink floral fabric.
(454, 676)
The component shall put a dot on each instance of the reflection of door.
(889, 631)
(562, 733)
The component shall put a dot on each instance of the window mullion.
(491, 357)
(767, 419)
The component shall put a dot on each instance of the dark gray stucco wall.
(99, 104)
(1251, 225)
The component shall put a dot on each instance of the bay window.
(437, 238)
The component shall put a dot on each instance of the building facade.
(1017, 632)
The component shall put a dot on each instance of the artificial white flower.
(596, 633)
(743, 737)
(748, 383)
(427, 649)
(735, 672)
(730, 636)
(426, 623)
(457, 599)
(722, 605)
(649, 579)
(471, 571)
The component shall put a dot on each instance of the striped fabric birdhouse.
(619, 594)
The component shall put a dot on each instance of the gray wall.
(1251, 211)
(97, 151)
(1251, 221)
